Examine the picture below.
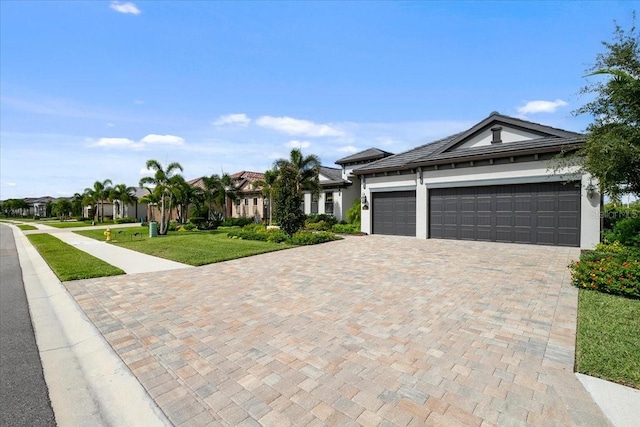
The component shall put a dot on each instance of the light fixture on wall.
(363, 201)
(591, 189)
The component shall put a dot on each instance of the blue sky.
(90, 90)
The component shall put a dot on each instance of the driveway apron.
(370, 330)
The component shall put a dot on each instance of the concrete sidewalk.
(130, 261)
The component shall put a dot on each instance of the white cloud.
(298, 144)
(117, 143)
(127, 143)
(348, 149)
(111, 125)
(7, 184)
(126, 7)
(298, 127)
(534, 107)
(138, 101)
(162, 139)
(233, 119)
(145, 171)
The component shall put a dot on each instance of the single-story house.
(495, 181)
(337, 193)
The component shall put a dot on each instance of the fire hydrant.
(107, 233)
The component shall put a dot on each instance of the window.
(314, 204)
(328, 203)
(255, 201)
(246, 201)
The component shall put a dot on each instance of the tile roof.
(334, 176)
(248, 175)
(368, 154)
(401, 160)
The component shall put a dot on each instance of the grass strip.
(69, 263)
(26, 227)
(193, 248)
(608, 337)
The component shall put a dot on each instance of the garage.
(537, 213)
(394, 213)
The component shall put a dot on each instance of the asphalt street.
(24, 397)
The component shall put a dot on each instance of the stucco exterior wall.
(383, 183)
(513, 173)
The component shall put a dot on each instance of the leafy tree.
(268, 185)
(77, 204)
(163, 183)
(287, 199)
(612, 150)
(62, 208)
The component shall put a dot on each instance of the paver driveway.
(368, 330)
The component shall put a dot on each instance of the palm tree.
(97, 194)
(162, 181)
(184, 194)
(122, 196)
(151, 199)
(307, 170)
(267, 185)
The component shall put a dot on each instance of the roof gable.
(512, 130)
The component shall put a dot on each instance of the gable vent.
(496, 131)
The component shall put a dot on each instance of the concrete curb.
(88, 383)
(618, 403)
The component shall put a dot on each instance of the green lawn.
(69, 263)
(608, 338)
(26, 227)
(69, 224)
(193, 248)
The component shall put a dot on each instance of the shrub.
(237, 222)
(611, 215)
(258, 232)
(626, 231)
(173, 226)
(308, 238)
(346, 228)
(613, 269)
(189, 226)
(354, 213)
(330, 220)
(126, 220)
(318, 226)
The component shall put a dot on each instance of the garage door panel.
(394, 213)
(545, 213)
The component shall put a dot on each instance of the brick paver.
(365, 331)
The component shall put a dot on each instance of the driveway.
(369, 330)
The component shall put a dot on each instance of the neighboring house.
(248, 200)
(492, 182)
(106, 206)
(339, 187)
(132, 210)
(38, 205)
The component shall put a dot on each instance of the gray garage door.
(394, 213)
(544, 214)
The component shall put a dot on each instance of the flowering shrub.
(613, 269)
